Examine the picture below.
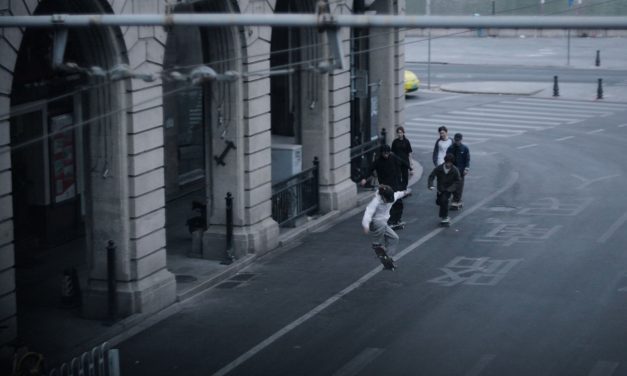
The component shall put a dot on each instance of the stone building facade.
(89, 153)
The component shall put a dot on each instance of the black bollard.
(600, 89)
(228, 259)
(556, 89)
(597, 61)
(383, 136)
(111, 282)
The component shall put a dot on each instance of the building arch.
(86, 147)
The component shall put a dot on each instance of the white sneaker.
(446, 220)
(455, 204)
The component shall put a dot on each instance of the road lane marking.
(613, 228)
(498, 122)
(493, 129)
(603, 368)
(526, 146)
(474, 112)
(547, 106)
(577, 104)
(596, 131)
(622, 125)
(550, 114)
(481, 365)
(564, 138)
(433, 101)
(321, 307)
(358, 363)
(587, 182)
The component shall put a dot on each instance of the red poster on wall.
(62, 158)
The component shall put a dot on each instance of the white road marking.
(432, 101)
(481, 365)
(577, 104)
(587, 182)
(549, 106)
(359, 362)
(526, 146)
(564, 138)
(551, 114)
(304, 318)
(518, 114)
(596, 131)
(497, 126)
(445, 118)
(613, 228)
(622, 125)
(603, 368)
(470, 112)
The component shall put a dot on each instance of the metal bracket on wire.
(326, 23)
(58, 47)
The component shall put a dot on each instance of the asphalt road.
(530, 279)
(446, 73)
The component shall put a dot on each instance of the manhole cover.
(183, 278)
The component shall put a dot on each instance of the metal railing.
(296, 196)
(100, 361)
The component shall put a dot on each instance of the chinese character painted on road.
(509, 234)
(474, 271)
(553, 206)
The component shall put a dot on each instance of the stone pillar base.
(258, 238)
(338, 197)
(148, 295)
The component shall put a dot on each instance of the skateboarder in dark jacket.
(462, 162)
(388, 173)
(448, 178)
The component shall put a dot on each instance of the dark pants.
(457, 195)
(396, 212)
(442, 200)
(404, 177)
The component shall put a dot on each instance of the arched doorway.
(199, 120)
(64, 125)
(296, 91)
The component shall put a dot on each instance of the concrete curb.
(494, 87)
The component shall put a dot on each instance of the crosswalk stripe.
(487, 122)
(505, 113)
(534, 110)
(573, 108)
(484, 130)
(507, 118)
(530, 124)
(469, 111)
(580, 104)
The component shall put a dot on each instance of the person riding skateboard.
(388, 171)
(462, 162)
(448, 178)
(375, 219)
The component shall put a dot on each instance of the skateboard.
(386, 260)
(398, 226)
(458, 207)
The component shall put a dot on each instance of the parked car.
(411, 81)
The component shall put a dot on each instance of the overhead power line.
(313, 20)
